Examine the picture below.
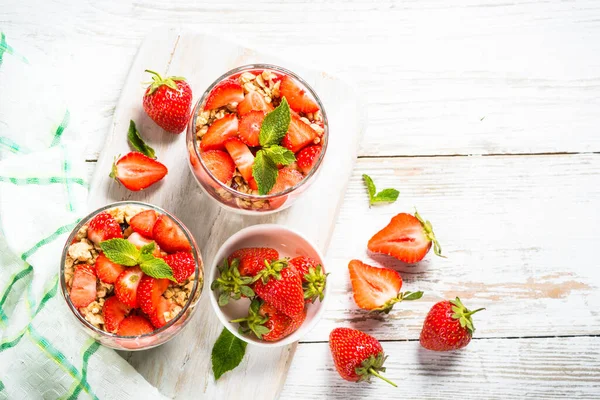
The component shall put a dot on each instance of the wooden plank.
(529, 69)
(182, 366)
(544, 368)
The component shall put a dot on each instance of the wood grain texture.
(469, 77)
(182, 367)
(544, 368)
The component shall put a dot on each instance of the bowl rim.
(308, 325)
(246, 68)
(199, 270)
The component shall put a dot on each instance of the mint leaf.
(137, 142)
(157, 268)
(385, 196)
(264, 172)
(280, 155)
(275, 125)
(148, 248)
(120, 251)
(227, 353)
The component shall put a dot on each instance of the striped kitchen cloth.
(43, 192)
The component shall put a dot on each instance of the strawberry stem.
(375, 373)
(473, 312)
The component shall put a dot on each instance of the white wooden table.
(484, 114)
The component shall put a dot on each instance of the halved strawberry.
(252, 259)
(286, 178)
(149, 292)
(373, 287)
(182, 263)
(158, 316)
(242, 157)
(253, 101)
(134, 325)
(298, 135)
(226, 92)
(140, 241)
(143, 222)
(127, 284)
(83, 288)
(307, 157)
(220, 164)
(106, 270)
(296, 96)
(406, 237)
(218, 132)
(168, 235)
(249, 129)
(136, 171)
(103, 227)
(114, 312)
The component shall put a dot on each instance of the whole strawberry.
(267, 323)
(357, 356)
(279, 285)
(168, 102)
(448, 326)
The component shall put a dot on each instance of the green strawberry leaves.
(230, 283)
(463, 314)
(385, 196)
(136, 141)
(227, 353)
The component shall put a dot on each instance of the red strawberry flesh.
(169, 236)
(137, 172)
(143, 222)
(218, 132)
(225, 92)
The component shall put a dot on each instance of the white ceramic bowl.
(288, 243)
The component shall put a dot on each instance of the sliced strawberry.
(140, 241)
(253, 101)
(307, 158)
(149, 292)
(103, 227)
(158, 316)
(406, 237)
(297, 97)
(127, 284)
(218, 132)
(286, 178)
(242, 157)
(220, 164)
(83, 288)
(226, 92)
(182, 263)
(136, 171)
(134, 325)
(114, 312)
(168, 235)
(373, 287)
(143, 222)
(106, 270)
(252, 259)
(299, 135)
(249, 129)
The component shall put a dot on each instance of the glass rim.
(195, 253)
(324, 138)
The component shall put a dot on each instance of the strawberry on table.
(296, 96)
(114, 312)
(182, 263)
(226, 92)
(106, 270)
(407, 238)
(242, 157)
(307, 157)
(143, 222)
(280, 286)
(448, 326)
(168, 102)
(168, 235)
(252, 259)
(357, 356)
(377, 289)
(83, 287)
(127, 284)
(312, 276)
(218, 132)
(249, 128)
(103, 227)
(134, 325)
(149, 292)
(253, 101)
(220, 164)
(299, 135)
(136, 171)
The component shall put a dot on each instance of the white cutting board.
(182, 367)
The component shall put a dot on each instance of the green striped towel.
(43, 192)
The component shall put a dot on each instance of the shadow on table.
(438, 363)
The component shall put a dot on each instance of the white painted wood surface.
(439, 78)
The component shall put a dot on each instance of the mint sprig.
(227, 353)
(123, 252)
(137, 142)
(272, 131)
(385, 196)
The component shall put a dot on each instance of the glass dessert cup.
(249, 202)
(160, 335)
